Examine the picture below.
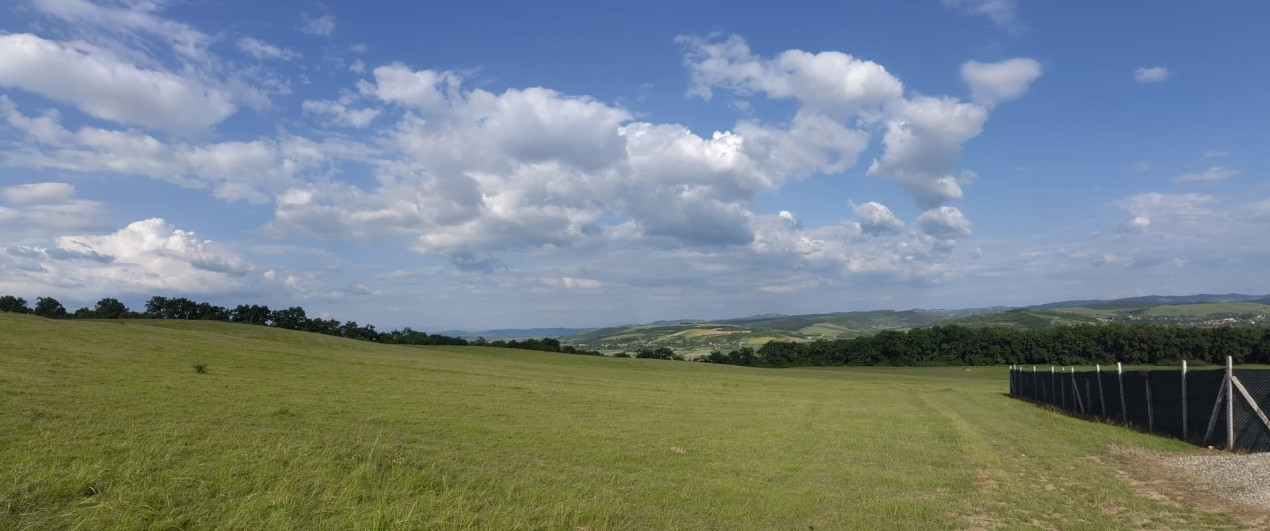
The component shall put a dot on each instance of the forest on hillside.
(1061, 345)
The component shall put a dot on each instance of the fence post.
(1053, 399)
(1146, 375)
(1124, 416)
(1036, 392)
(1185, 417)
(1102, 404)
(1230, 404)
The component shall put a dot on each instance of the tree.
(11, 304)
(49, 307)
(109, 308)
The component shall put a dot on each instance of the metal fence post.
(1124, 415)
(1185, 417)
(1052, 397)
(1102, 404)
(1230, 404)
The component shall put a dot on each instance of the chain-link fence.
(1207, 407)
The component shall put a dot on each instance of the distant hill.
(514, 333)
(1149, 300)
(699, 337)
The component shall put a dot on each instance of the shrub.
(200, 368)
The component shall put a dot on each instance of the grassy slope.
(105, 424)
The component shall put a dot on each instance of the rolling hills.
(701, 337)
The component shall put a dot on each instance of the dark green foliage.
(109, 308)
(50, 308)
(1061, 345)
(660, 353)
(11, 304)
(293, 318)
(546, 344)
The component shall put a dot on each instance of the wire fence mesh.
(1184, 404)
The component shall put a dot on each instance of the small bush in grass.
(200, 368)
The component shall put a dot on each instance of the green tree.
(109, 308)
(11, 304)
(50, 308)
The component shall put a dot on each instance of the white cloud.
(130, 19)
(43, 210)
(992, 83)
(1003, 13)
(38, 193)
(923, 134)
(831, 82)
(1213, 174)
(144, 257)
(875, 218)
(250, 171)
(263, 50)
(1148, 209)
(322, 26)
(355, 118)
(101, 85)
(944, 223)
(1152, 75)
(923, 144)
(1214, 153)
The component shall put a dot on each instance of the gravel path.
(1240, 478)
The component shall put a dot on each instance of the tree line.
(293, 318)
(1061, 345)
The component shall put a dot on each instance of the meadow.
(107, 424)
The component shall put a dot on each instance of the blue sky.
(483, 165)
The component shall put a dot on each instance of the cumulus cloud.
(923, 134)
(944, 223)
(923, 144)
(1213, 174)
(102, 85)
(831, 82)
(992, 83)
(144, 257)
(263, 50)
(1152, 75)
(875, 218)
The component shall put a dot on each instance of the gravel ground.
(1240, 478)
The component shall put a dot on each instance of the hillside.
(106, 424)
(700, 337)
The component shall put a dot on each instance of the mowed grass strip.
(106, 424)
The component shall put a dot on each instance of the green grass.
(106, 424)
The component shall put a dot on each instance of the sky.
(478, 165)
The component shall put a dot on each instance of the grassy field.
(106, 424)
